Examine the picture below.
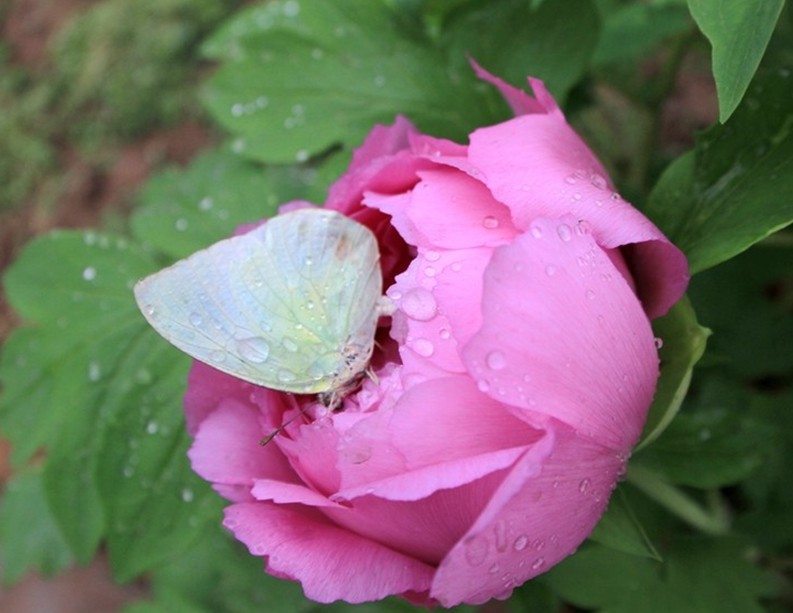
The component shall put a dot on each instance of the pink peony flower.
(512, 383)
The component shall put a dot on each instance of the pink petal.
(539, 167)
(519, 101)
(534, 520)
(312, 454)
(451, 210)
(564, 335)
(429, 146)
(206, 388)
(226, 449)
(444, 425)
(438, 312)
(382, 163)
(330, 562)
(289, 493)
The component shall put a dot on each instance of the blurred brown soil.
(86, 192)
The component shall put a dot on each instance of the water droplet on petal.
(550, 270)
(419, 304)
(490, 222)
(456, 267)
(536, 231)
(496, 360)
(659, 342)
(444, 334)
(430, 271)
(564, 232)
(598, 180)
(432, 256)
(254, 349)
(583, 486)
(538, 563)
(423, 347)
(483, 386)
(520, 543)
(590, 294)
(476, 549)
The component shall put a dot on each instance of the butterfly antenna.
(275, 432)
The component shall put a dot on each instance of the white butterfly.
(292, 305)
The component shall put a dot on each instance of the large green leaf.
(735, 187)
(41, 545)
(298, 78)
(738, 31)
(683, 345)
(554, 42)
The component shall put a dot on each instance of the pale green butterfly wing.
(291, 305)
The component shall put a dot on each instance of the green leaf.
(553, 41)
(746, 301)
(298, 79)
(620, 529)
(104, 371)
(78, 335)
(184, 210)
(732, 190)
(738, 31)
(42, 548)
(154, 503)
(683, 345)
(633, 30)
(697, 575)
(709, 448)
(217, 574)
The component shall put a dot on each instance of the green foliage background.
(91, 396)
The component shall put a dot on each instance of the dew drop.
(262, 101)
(195, 319)
(285, 376)
(430, 271)
(253, 349)
(659, 342)
(94, 371)
(550, 270)
(432, 256)
(536, 231)
(583, 486)
(598, 180)
(590, 294)
(419, 304)
(89, 273)
(577, 196)
(237, 110)
(520, 543)
(476, 549)
(152, 427)
(289, 344)
(456, 267)
(291, 8)
(564, 232)
(494, 568)
(301, 155)
(444, 334)
(483, 386)
(495, 360)
(570, 179)
(490, 222)
(538, 563)
(181, 224)
(423, 347)
(187, 494)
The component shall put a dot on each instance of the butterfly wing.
(276, 306)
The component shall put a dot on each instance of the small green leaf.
(698, 574)
(182, 211)
(683, 345)
(710, 447)
(732, 190)
(620, 529)
(738, 31)
(299, 78)
(553, 41)
(633, 30)
(29, 537)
